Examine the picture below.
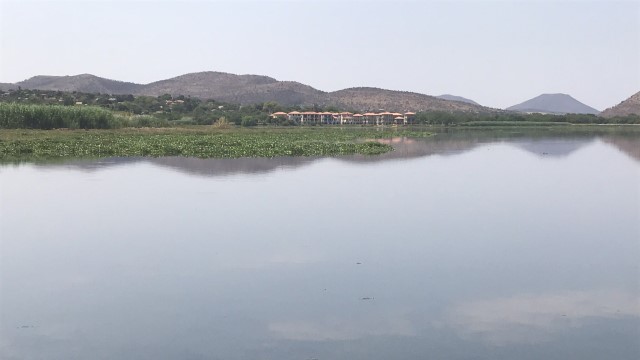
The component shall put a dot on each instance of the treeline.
(167, 109)
(57, 109)
(175, 110)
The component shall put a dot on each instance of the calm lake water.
(456, 247)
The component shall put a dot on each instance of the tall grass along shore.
(47, 117)
(27, 116)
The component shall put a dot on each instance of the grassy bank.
(197, 141)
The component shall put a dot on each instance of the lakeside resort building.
(328, 118)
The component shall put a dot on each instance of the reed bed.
(29, 116)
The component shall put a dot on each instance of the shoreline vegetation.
(42, 109)
(194, 141)
(34, 129)
(38, 146)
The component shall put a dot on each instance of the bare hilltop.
(456, 98)
(629, 106)
(251, 89)
(83, 83)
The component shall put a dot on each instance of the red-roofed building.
(295, 116)
(409, 118)
(310, 117)
(279, 114)
(327, 118)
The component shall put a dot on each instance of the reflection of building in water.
(408, 148)
(327, 118)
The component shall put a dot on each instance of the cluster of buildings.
(311, 117)
(173, 102)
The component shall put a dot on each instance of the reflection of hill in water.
(563, 147)
(195, 166)
(628, 145)
(552, 147)
(405, 148)
(90, 165)
(221, 167)
(556, 145)
(450, 145)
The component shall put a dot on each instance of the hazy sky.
(497, 53)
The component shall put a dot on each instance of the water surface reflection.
(452, 248)
(442, 144)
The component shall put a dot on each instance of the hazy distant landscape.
(253, 89)
(554, 104)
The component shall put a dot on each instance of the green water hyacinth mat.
(197, 141)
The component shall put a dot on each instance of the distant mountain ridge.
(250, 89)
(7, 86)
(629, 106)
(554, 104)
(83, 83)
(456, 98)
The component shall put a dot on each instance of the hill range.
(251, 89)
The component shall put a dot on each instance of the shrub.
(140, 121)
(221, 123)
(249, 121)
